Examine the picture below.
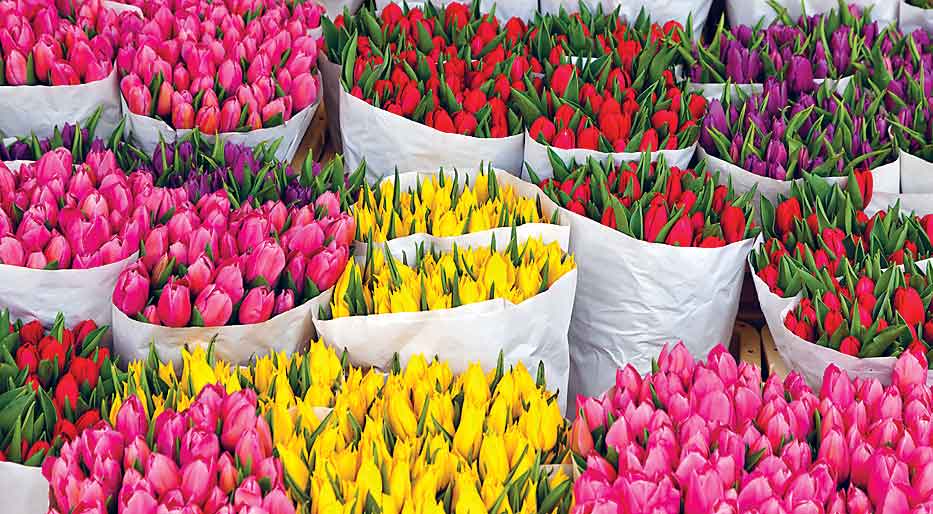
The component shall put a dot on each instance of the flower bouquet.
(767, 12)
(425, 440)
(605, 112)
(256, 83)
(67, 232)
(217, 456)
(512, 295)
(713, 437)
(57, 66)
(819, 265)
(688, 13)
(468, 208)
(661, 252)
(814, 49)
(212, 272)
(769, 141)
(438, 87)
(53, 385)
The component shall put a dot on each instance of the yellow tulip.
(282, 424)
(469, 433)
(499, 415)
(496, 273)
(294, 465)
(403, 301)
(468, 500)
(401, 416)
(369, 481)
(493, 459)
(542, 423)
(446, 224)
(400, 482)
(475, 385)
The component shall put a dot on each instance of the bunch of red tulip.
(55, 215)
(42, 45)
(429, 76)
(822, 229)
(220, 66)
(603, 107)
(52, 385)
(712, 436)
(653, 202)
(212, 265)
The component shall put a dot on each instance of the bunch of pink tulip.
(217, 65)
(713, 437)
(42, 45)
(189, 465)
(211, 265)
(54, 215)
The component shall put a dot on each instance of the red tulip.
(588, 138)
(666, 120)
(560, 79)
(27, 356)
(52, 350)
(649, 141)
(84, 370)
(681, 234)
(733, 224)
(909, 305)
(865, 181)
(66, 392)
(465, 123)
(31, 332)
(787, 212)
(850, 346)
(655, 220)
(542, 130)
(697, 106)
(409, 99)
(565, 139)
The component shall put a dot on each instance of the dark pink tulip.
(285, 301)
(257, 306)
(200, 273)
(239, 415)
(174, 305)
(63, 74)
(229, 278)
(229, 76)
(197, 480)
(230, 115)
(308, 240)
(214, 306)
(162, 473)
(266, 261)
(16, 68)
(325, 267)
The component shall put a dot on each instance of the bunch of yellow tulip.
(421, 441)
(444, 280)
(440, 208)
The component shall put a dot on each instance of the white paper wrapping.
(914, 18)
(330, 74)
(532, 331)
(886, 179)
(79, 294)
(120, 7)
(536, 156)
(634, 297)
(288, 332)
(916, 174)
(39, 109)
(809, 359)
(749, 12)
(24, 489)
(549, 233)
(335, 7)
(659, 10)
(920, 204)
(146, 131)
(505, 9)
(714, 90)
(387, 141)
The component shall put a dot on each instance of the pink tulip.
(214, 306)
(196, 444)
(62, 74)
(248, 449)
(257, 305)
(277, 502)
(230, 279)
(164, 101)
(229, 76)
(140, 502)
(307, 240)
(11, 251)
(265, 263)
(227, 474)
(325, 267)
(230, 115)
(43, 57)
(16, 74)
(249, 494)
(162, 473)
(80, 57)
(304, 91)
(174, 305)
(197, 480)
(132, 289)
(253, 231)
(277, 107)
(285, 301)
(200, 273)
(239, 415)
(112, 251)
(207, 120)
(182, 115)
(36, 260)
(132, 421)
(152, 315)
(137, 97)
(342, 230)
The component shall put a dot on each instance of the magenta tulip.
(214, 306)
(266, 262)
(174, 305)
(132, 289)
(257, 305)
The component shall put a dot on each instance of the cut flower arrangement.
(652, 202)
(383, 284)
(441, 205)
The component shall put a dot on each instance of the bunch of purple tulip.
(791, 51)
(824, 133)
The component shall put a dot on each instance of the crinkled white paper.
(750, 12)
(916, 174)
(335, 8)
(24, 489)
(505, 9)
(79, 294)
(549, 233)
(659, 10)
(920, 204)
(886, 179)
(714, 90)
(532, 331)
(387, 141)
(810, 359)
(120, 7)
(536, 156)
(634, 297)
(914, 18)
(146, 131)
(39, 109)
(288, 332)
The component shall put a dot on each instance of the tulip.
(214, 306)
(174, 306)
(909, 306)
(230, 280)
(132, 289)
(257, 306)
(11, 251)
(265, 263)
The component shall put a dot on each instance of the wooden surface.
(773, 362)
(316, 141)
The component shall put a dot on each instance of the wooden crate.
(754, 347)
